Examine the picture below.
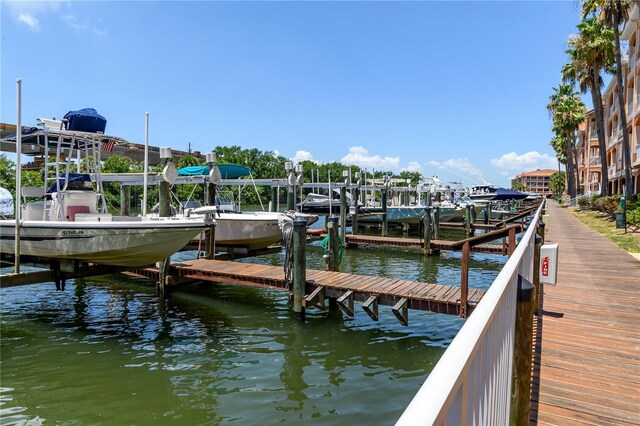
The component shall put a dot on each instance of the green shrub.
(584, 202)
(594, 198)
(608, 205)
(633, 217)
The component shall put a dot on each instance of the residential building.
(588, 156)
(631, 33)
(536, 181)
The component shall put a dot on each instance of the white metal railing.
(595, 161)
(471, 383)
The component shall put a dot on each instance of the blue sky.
(456, 89)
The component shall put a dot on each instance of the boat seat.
(72, 211)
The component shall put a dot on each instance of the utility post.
(385, 189)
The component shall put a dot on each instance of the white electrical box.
(549, 264)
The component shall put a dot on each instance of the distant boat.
(486, 193)
(321, 204)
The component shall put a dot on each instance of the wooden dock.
(354, 240)
(389, 291)
(587, 356)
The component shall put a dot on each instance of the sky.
(454, 89)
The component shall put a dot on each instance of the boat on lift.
(67, 218)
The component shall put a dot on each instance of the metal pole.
(146, 163)
(18, 175)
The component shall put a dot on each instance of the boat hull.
(251, 230)
(123, 243)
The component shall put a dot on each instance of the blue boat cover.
(227, 171)
(509, 194)
(86, 120)
(76, 181)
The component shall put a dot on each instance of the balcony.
(595, 162)
(612, 172)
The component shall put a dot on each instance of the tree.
(613, 14)
(567, 111)
(557, 183)
(590, 52)
(517, 186)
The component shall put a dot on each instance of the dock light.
(211, 157)
(165, 152)
(288, 166)
(358, 175)
(298, 168)
(345, 173)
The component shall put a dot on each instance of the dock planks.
(418, 243)
(419, 295)
(587, 356)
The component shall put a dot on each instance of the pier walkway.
(587, 356)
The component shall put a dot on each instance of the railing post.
(426, 249)
(464, 279)
(523, 341)
(512, 241)
(334, 244)
(299, 266)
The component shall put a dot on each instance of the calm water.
(109, 351)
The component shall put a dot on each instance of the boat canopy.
(76, 181)
(227, 171)
(86, 120)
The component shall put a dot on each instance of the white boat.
(69, 218)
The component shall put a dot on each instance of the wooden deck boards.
(424, 296)
(587, 355)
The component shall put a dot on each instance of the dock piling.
(334, 245)
(299, 266)
(426, 249)
(464, 279)
(125, 200)
(343, 214)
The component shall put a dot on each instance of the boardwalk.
(587, 361)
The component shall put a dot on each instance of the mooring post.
(467, 220)
(212, 187)
(464, 279)
(523, 341)
(384, 209)
(343, 214)
(164, 210)
(334, 244)
(436, 222)
(489, 213)
(426, 249)
(274, 198)
(299, 266)
(125, 200)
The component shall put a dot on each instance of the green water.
(108, 351)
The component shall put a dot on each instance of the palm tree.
(567, 111)
(614, 13)
(590, 52)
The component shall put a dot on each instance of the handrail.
(471, 383)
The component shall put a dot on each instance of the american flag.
(107, 145)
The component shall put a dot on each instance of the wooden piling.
(164, 210)
(436, 222)
(385, 221)
(489, 212)
(343, 214)
(354, 216)
(334, 244)
(274, 198)
(468, 220)
(426, 249)
(522, 359)
(210, 234)
(125, 200)
(299, 266)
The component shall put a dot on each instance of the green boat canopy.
(227, 171)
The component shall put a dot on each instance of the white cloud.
(531, 160)
(359, 156)
(413, 166)
(31, 21)
(457, 165)
(303, 156)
